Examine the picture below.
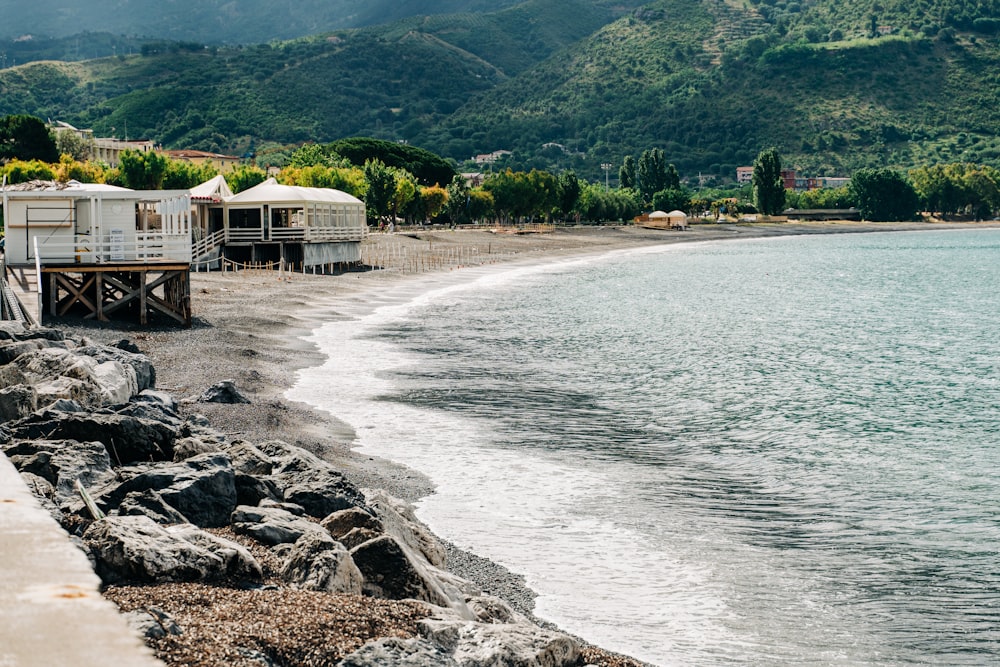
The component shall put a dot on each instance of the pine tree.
(768, 186)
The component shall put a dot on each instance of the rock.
(127, 439)
(480, 644)
(395, 652)
(454, 642)
(151, 504)
(398, 520)
(64, 405)
(391, 572)
(61, 373)
(297, 510)
(342, 522)
(318, 563)
(254, 491)
(270, 525)
(140, 364)
(11, 351)
(160, 398)
(322, 492)
(248, 459)
(357, 536)
(185, 448)
(17, 401)
(11, 375)
(223, 392)
(154, 623)
(202, 488)
(62, 463)
(134, 549)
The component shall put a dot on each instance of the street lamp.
(606, 166)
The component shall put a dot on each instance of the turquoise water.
(782, 451)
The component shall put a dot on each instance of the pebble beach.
(249, 327)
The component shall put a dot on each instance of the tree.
(428, 168)
(672, 199)
(626, 174)
(569, 192)
(768, 186)
(651, 173)
(245, 177)
(72, 144)
(140, 170)
(380, 189)
(883, 194)
(26, 138)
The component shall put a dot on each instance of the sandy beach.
(250, 327)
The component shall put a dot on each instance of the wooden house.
(97, 249)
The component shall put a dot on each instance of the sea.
(781, 451)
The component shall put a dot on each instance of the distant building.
(109, 150)
(490, 158)
(792, 181)
(222, 163)
(473, 179)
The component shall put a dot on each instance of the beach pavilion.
(308, 227)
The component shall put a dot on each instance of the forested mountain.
(217, 21)
(572, 84)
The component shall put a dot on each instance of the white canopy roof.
(272, 192)
(658, 215)
(214, 189)
(675, 214)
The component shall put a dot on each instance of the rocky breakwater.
(156, 497)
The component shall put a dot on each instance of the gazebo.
(661, 220)
(311, 226)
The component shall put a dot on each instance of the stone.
(65, 373)
(391, 572)
(185, 448)
(17, 401)
(255, 491)
(322, 494)
(135, 549)
(140, 364)
(160, 398)
(398, 520)
(356, 536)
(12, 351)
(318, 563)
(395, 652)
(270, 525)
(223, 392)
(342, 522)
(151, 504)
(62, 463)
(64, 405)
(474, 644)
(11, 375)
(153, 623)
(202, 488)
(248, 459)
(127, 439)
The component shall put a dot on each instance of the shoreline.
(258, 327)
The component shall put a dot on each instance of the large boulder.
(481, 644)
(223, 392)
(202, 488)
(62, 463)
(317, 562)
(62, 373)
(271, 525)
(309, 481)
(17, 401)
(151, 504)
(397, 519)
(13, 350)
(135, 549)
(321, 492)
(140, 364)
(445, 641)
(127, 439)
(391, 571)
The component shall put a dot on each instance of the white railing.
(86, 249)
(236, 235)
(202, 247)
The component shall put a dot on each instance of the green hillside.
(574, 84)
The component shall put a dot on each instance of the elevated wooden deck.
(100, 290)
